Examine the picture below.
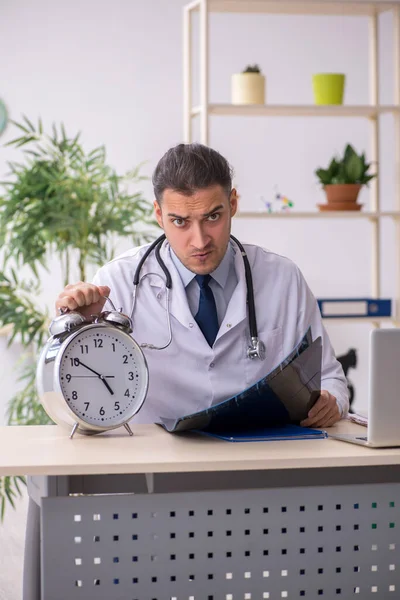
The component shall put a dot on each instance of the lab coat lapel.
(179, 307)
(237, 307)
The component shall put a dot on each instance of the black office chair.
(349, 361)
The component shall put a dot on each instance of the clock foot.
(129, 430)
(75, 427)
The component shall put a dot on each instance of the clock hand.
(90, 368)
(98, 375)
(106, 384)
(93, 376)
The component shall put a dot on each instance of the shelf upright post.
(396, 116)
(374, 185)
(187, 74)
(204, 72)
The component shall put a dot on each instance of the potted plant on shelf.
(343, 179)
(248, 87)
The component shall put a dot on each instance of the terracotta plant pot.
(346, 193)
(340, 206)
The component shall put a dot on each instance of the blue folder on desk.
(269, 434)
(279, 400)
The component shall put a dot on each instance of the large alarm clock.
(91, 375)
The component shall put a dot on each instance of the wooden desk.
(47, 450)
(186, 517)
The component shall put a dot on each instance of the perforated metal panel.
(315, 542)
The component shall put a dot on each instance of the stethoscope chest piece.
(257, 349)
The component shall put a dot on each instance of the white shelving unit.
(371, 111)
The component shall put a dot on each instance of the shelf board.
(334, 214)
(298, 7)
(286, 110)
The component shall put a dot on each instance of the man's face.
(198, 226)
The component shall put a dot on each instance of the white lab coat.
(190, 376)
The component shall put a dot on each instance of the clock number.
(127, 393)
(84, 349)
(125, 357)
(74, 395)
(68, 377)
(74, 362)
(116, 405)
(130, 376)
(113, 345)
(98, 343)
(87, 406)
(102, 411)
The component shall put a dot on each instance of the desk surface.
(47, 450)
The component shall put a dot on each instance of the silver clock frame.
(49, 386)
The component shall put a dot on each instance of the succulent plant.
(351, 168)
(252, 69)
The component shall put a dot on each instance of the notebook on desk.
(383, 430)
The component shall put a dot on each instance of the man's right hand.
(85, 298)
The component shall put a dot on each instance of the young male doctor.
(206, 361)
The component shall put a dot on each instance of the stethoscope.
(256, 348)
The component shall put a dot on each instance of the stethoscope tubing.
(156, 246)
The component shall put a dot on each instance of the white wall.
(113, 71)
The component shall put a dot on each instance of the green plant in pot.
(343, 179)
(59, 202)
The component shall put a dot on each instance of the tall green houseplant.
(65, 202)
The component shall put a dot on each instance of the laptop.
(384, 393)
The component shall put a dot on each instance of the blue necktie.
(206, 316)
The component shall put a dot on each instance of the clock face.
(103, 376)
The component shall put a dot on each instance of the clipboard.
(284, 396)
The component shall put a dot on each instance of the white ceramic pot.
(248, 88)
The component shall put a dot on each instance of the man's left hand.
(324, 413)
